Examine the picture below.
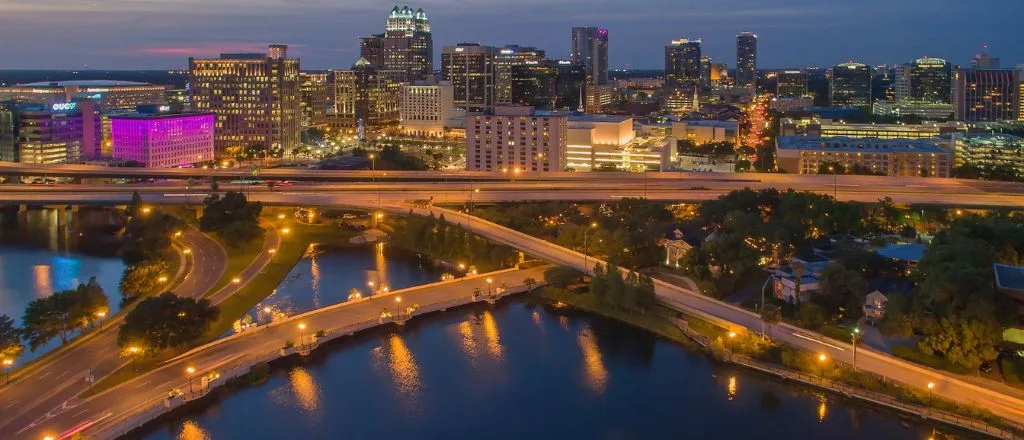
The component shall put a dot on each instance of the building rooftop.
(145, 116)
(85, 83)
(709, 123)
(867, 145)
(1009, 277)
(597, 118)
(904, 252)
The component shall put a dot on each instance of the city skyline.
(121, 34)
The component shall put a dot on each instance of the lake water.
(327, 276)
(40, 254)
(520, 370)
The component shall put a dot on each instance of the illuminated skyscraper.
(406, 45)
(987, 95)
(470, 69)
(522, 60)
(314, 99)
(931, 81)
(368, 94)
(791, 83)
(255, 97)
(590, 48)
(682, 63)
(851, 85)
(705, 73)
(746, 60)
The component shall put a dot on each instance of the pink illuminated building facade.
(162, 140)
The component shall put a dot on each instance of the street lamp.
(821, 360)
(7, 369)
(302, 334)
(853, 337)
(100, 314)
(732, 335)
(271, 251)
(585, 245)
(835, 182)
(398, 306)
(489, 282)
(133, 351)
(931, 387)
(189, 372)
(372, 290)
(186, 251)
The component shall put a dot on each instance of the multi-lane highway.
(667, 186)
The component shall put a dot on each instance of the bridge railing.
(128, 421)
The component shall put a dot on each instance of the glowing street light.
(236, 280)
(854, 334)
(489, 283)
(7, 369)
(821, 360)
(302, 334)
(271, 251)
(100, 314)
(586, 231)
(189, 372)
(931, 387)
(134, 351)
(285, 230)
(280, 216)
(162, 279)
(146, 210)
(186, 251)
(177, 233)
(398, 306)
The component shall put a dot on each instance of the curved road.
(49, 388)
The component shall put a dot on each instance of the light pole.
(7, 370)
(489, 282)
(765, 286)
(931, 387)
(585, 245)
(732, 336)
(302, 335)
(835, 182)
(821, 360)
(853, 337)
(99, 317)
(189, 372)
(133, 351)
(469, 209)
(373, 176)
(373, 291)
(398, 307)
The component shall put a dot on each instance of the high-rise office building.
(682, 64)
(987, 95)
(366, 98)
(515, 139)
(255, 97)
(746, 60)
(533, 84)
(506, 60)
(851, 85)
(406, 45)
(313, 99)
(901, 87)
(470, 69)
(791, 83)
(931, 81)
(984, 60)
(590, 48)
(570, 85)
(425, 107)
(705, 73)
(111, 96)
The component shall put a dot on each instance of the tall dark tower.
(590, 49)
(746, 60)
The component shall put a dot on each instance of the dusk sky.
(162, 34)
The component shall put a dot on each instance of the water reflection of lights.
(381, 264)
(596, 373)
(191, 430)
(493, 337)
(822, 410)
(537, 320)
(468, 341)
(404, 371)
(41, 273)
(305, 388)
(564, 322)
(732, 387)
(314, 271)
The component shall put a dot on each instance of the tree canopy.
(63, 312)
(232, 217)
(10, 339)
(166, 321)
(141, 279)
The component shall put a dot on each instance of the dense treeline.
(435, 237)
(232, 217)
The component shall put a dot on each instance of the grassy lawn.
(293, 247)
(652, 321)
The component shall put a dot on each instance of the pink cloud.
(207, 49)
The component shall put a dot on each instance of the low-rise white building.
(425, 107)
(516, 139)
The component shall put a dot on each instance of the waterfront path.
(116, 410)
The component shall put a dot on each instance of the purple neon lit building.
(163, 139)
